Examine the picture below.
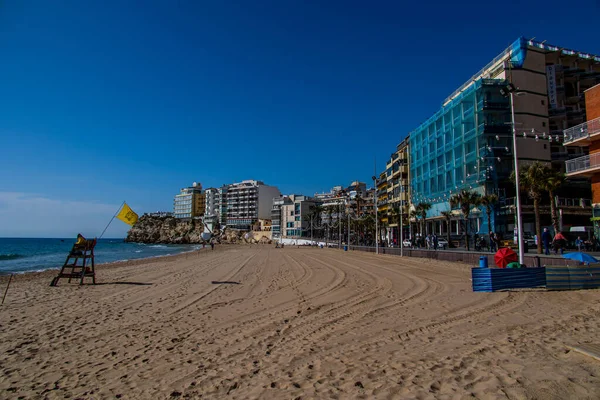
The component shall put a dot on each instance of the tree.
(553, 182)
(447, 216)
(394, 217)
(382, 225)
(466, 200)
(489, 201)
(313, 217)
(422, 209)
(414, 214)
(358, 199)
(532, 179)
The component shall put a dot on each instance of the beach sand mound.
(254, 322)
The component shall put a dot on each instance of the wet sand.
(258, 322)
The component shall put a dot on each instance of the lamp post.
(376, 217)
(401, 223)
(510, 90)
(339, 221)
(348, 230)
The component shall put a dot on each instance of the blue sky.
(109, 101)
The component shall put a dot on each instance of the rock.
(171, 230)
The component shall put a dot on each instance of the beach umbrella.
(581, 257)
(504, 256)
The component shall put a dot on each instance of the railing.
(573, 202)
(583, 163)
(560, 202)
(557, 111)
(584, 130)
(493, 105)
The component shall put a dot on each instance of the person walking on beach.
(435, 242)
(212, 245)
(546, 239)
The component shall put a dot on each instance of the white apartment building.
(211, 209)
(293, 215)
(278, 202)
(248, 201)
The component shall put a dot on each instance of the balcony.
(581, 135)
(583, 166)
(554, 112)
(493, 105)
(496, 127)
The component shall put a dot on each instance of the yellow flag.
(127, 215)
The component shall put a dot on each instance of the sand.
(247, 322)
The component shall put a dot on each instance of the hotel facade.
(467, 144)
(190, 202)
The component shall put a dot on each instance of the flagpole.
(111, 220)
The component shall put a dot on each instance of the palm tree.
(415, 214)
(466, 199)
(382, 227)
(422, 208)
(394, 217)
(533, 180)
(358, 199)
(489, 201)
(553, 182)
(447, 216)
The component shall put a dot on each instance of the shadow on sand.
(125, 283)
(225, 283)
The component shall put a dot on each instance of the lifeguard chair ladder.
(78, 265)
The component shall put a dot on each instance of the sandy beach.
(256, 322)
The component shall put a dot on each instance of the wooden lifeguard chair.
(79, 263)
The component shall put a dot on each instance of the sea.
(18, 255)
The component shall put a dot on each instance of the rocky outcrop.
(164, 230)
(169, 230)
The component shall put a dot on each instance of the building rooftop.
(516, 53)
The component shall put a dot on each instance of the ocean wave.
(11, 256)
(138, 251)
(159, 246)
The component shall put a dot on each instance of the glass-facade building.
(458, 147)
(468, 143)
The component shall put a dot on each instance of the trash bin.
(345, 248)
(483, 262)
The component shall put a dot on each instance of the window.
(543, 102)
(543, 124)
(297, 218)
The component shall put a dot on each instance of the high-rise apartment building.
(588, 134)
(382, 198)
(190, 202)
(398, 187)
(467, 144)
(248, 201)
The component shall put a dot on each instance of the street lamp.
(376, 216)
(510, 91)
(401, 221)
